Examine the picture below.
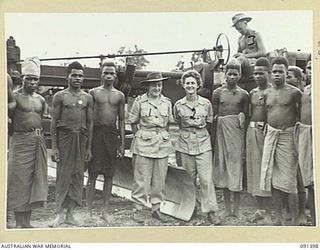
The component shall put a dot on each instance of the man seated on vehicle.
(250, 44)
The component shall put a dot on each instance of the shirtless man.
(27, 168)
(303, 134)
(279, 163)
(71, 130)
(308, 72)
(255, 140)
(250, 43)
(11, 100)
(294, 78)
(230, 108)
(108, 107)
(11, 103)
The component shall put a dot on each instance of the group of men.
(278, 141)
(273, 123)
(279, 136)
(84, 135)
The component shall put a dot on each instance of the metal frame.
(218, 48)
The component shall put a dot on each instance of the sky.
(48, 35)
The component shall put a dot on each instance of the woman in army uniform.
(192, 113)
(150, 116)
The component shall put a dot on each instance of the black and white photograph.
(159, 119)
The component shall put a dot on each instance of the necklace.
(78, 96)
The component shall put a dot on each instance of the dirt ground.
(121, 210)
(121, 214)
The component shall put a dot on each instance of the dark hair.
(280, 60)
(296, 71)
(264, 62)
(234, 64)
(192, 73)
(74, 65)
(109, 64)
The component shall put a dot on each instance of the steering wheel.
(222, 45)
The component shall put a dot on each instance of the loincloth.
(70, 168)
(303, 142)
(228, 153)
(254, 148)
(105, 143)
(27, 172)
(279, 162)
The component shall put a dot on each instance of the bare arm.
(89, 126)
(43, 102)
(215, 103)
(209, 117)
(55, 116)
(121, 123)
(246, 101)
(298, 101)
(11, 98)
(239, 46)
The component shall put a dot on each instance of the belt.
(35, 131)
(153, 129)
(257, 124)
(193, 129)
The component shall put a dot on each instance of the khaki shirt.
(152, 139)
(194, 138)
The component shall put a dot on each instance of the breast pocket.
(165, 136)
(203, 134)
(145, 112)
(184, 134)
(144, 135)
(164, 111)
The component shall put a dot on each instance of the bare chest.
(29, 104)
(74, 101)
(279, 98)
(257, 99)
(106, 99)
(306, 98)
(228, 98)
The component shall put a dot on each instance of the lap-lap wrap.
(229, 148)
(70, 168)
(104, 150)
(279, 162)
(27, 171)
(254, 148)
(303, 143)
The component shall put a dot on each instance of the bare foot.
(28, 225)
(278, 223)
(71, 220)
(267, 220)
(105, 216)
(301, 220)
(88, 218)
(227, 213)
(235, 214)
(57, 222)
(258, 215)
